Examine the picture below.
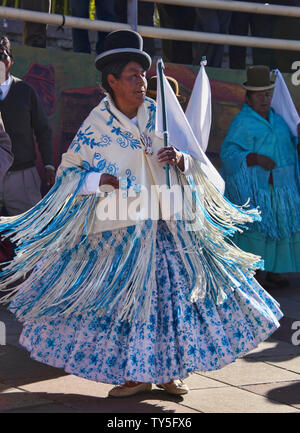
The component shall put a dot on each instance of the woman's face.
(261, 102)
(130, 89)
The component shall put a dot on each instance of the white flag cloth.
(198, 112)
(181, 135)
(283, 104)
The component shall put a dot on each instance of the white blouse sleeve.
(91, 184)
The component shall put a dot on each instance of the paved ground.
(267, 380)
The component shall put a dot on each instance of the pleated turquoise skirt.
(280, 256)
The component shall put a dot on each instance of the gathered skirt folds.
(279, 255)
(179, 337)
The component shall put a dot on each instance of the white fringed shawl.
(79, 263)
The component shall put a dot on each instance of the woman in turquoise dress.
(260, 162)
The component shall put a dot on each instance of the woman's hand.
(261, 160)
(170, 155)
(108, 182)
(50, 176)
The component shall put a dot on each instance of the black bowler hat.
(258, 79)
(123, 45)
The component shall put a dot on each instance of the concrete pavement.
(267, 380)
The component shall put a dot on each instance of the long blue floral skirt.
(180, 337)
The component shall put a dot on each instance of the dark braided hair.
(115, 68)
(249, 93)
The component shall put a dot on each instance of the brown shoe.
(176, 387)
(126, 391)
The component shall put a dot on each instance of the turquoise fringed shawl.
(250, 133)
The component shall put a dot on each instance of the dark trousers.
(260, 26)
(211, 21)
(35, 34)
(145, 18)
(104, 11)
(181, 18)
(286, 28)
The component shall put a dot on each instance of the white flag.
(283, 104)
(181, 135)
(198, 112)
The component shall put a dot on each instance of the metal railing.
(239, 6)
(166, 33)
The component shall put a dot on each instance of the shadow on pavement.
(151, 402)
(289, 394)
(17, 370)
(273, 354)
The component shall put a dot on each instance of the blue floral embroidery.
(111, 119)
(112, 169)
(104, 141)
(100, 164)
(84, 138)
(137, 188)
(126, 139)
(79, 356)
(152, 112)
(130, 178)
(80, 138)
(111, 361)
(50, 342)
(127, 181)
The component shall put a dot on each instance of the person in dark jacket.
(6, 160)
(24, 120)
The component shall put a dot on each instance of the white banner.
(198, 112)
(181, 135)
(283, 104)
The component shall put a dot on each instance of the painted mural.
(70, 87)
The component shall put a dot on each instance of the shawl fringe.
(65, 266)
(72, 272)
(280, 210)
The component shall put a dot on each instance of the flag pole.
(161, 66)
